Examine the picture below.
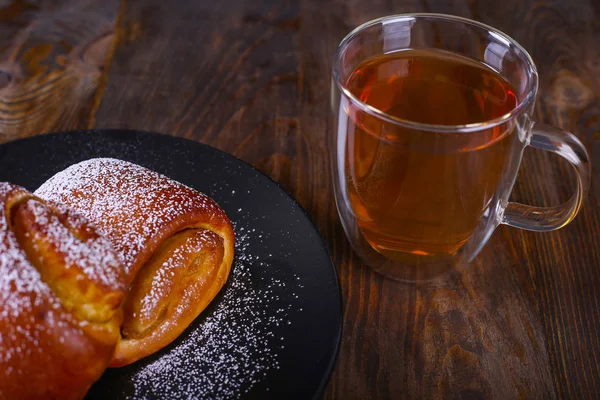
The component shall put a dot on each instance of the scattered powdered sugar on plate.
(233, 348)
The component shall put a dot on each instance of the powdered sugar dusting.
(163, 279)
(129, 204)
(28, 308)
(94, 257)
(21, 291)
(11, 257)
(233, 348)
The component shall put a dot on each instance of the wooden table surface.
(251, 77)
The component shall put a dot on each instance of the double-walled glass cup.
(414, 197)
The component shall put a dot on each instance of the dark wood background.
(251, 77)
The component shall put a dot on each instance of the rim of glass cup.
(432, 127)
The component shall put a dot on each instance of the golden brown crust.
(48, 347)
(188, 298)
(140, 212)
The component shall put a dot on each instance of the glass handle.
(566, 145)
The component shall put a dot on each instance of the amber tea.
(427, 139)
(424, 192)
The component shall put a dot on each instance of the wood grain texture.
(252, 78)
(52, 57)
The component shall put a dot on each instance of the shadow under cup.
(416, 198)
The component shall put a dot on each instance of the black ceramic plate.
(274, 330)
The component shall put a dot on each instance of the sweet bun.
(61, 292)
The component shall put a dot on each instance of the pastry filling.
(188, 258)
(70, 258)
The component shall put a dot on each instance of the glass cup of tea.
(431, 114)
